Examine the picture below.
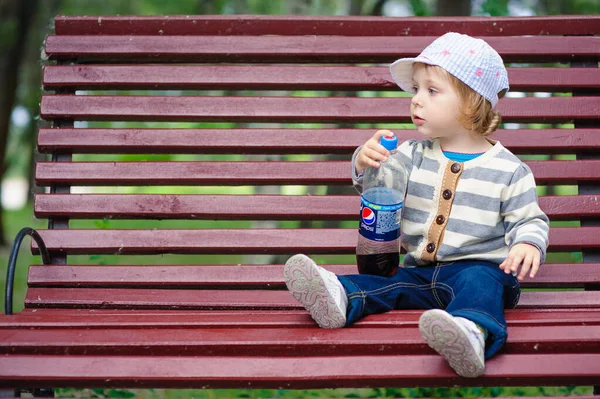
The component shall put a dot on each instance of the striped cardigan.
(476, 209)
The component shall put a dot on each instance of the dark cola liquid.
(381, 258)
(378, 264)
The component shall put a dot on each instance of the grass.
(327, 393)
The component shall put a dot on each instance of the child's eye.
(432, 91)
(415, 89)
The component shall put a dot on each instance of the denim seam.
(518, 296)
(446, 287)
(444, 264)
(356, 287)
(449, 288)
(433, 289)
(485, 313)
(359, 294)
(363, 294)
(364, 302)
(516, 301)
(396, 285)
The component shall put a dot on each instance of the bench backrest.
(288, 100)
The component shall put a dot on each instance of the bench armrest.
(12, 263)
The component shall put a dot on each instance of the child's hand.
(372, 151)
(526, 253)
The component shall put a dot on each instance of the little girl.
(470, 218)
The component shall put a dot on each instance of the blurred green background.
(23, 26)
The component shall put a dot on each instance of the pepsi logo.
(368, 216)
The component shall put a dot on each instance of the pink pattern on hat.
(462, 56)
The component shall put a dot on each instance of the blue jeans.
(473, 289)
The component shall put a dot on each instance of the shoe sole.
(306, 284)
(447, 338)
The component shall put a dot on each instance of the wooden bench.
(215, 323)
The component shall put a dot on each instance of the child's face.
(435, 107)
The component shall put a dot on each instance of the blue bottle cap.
(390, 143)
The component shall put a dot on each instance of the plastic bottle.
(378, 247)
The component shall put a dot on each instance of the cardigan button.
(455, 168)
(447, 194)
(430, 247)
(440, 219)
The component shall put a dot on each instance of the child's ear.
(502, 93)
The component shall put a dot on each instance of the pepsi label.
(379, 222)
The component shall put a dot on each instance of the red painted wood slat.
(250, 207)
(292, 109)
(247, 241)
(217, 173)
(276, 341)
(144, 318)
(268, 77)
(290, 141)
(314, 48)
(221, 173)
(290, 372)
(247, 276)
(324, 25)
(184, 299)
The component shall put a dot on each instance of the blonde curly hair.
(476, 113)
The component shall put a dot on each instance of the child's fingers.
(526, 266)
(372, 163)
(517, 258)
(512, 261)
(524, 270)
(380, 133)
(503, 264)
(368, 157)
(365, 162)
(374, 155)
(374, 142)
(536, 265)
(508, 263)
(375, 146)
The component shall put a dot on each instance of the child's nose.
(416, 100)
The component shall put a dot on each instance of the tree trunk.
(15, 20)
(32, 82)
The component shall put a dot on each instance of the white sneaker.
(457, 339)
(318, 290)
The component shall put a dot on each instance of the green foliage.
(271, 7)
(8, 30)
(552, 7)
(145, 7)
(420, 8)
(495, 7)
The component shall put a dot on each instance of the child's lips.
(417, 120)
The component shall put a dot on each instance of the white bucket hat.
(472, 61)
